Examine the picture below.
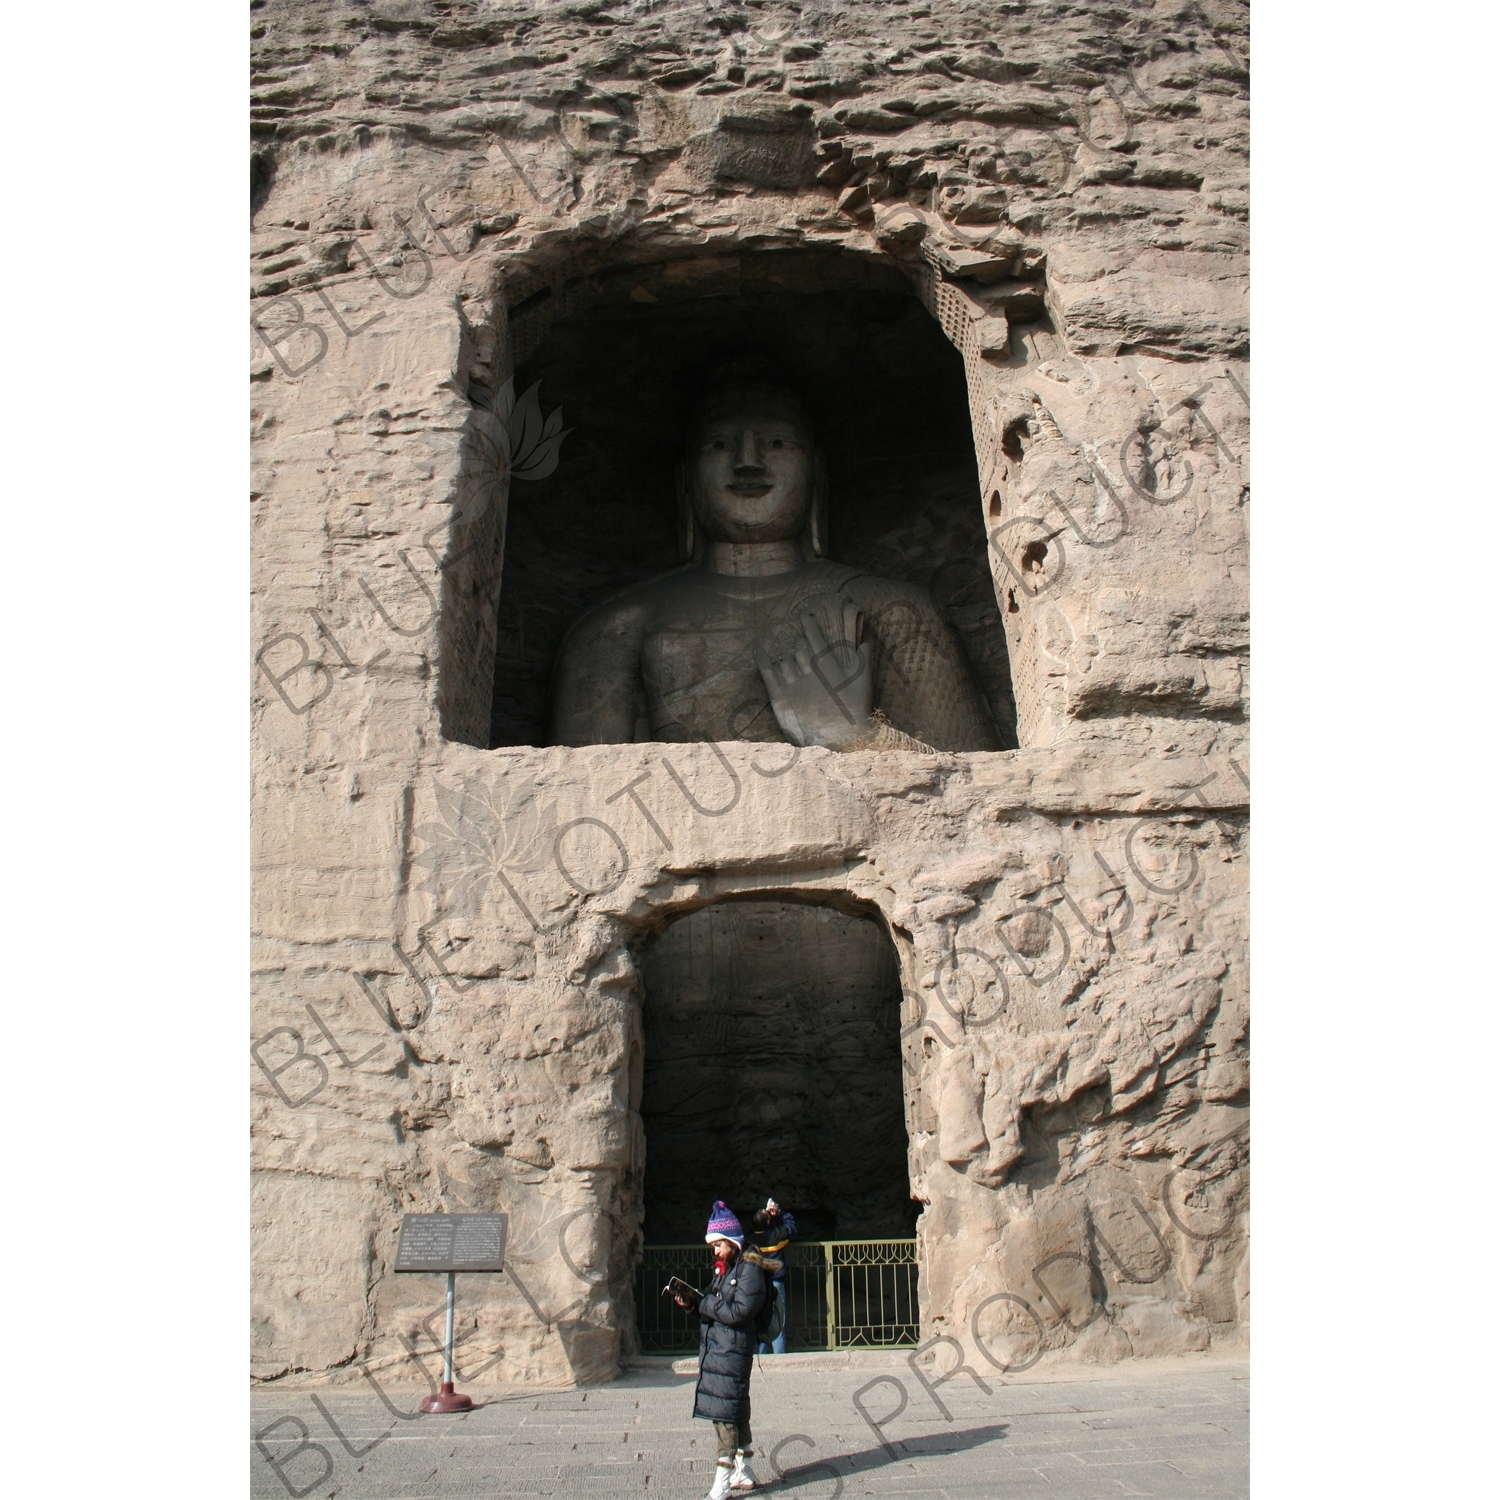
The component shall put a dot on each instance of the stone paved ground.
(1175, 1428)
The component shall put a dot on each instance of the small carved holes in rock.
(1011, 607)
(1033, 557)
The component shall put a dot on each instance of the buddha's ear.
(817, 515)
(687, 522)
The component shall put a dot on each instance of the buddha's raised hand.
(823, 693)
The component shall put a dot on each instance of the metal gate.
(841, 1294)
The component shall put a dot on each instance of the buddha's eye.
(777, 443)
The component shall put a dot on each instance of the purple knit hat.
(722, 1225)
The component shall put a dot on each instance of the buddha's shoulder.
(872, 590)
(632, 607)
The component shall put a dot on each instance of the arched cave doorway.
(773, 1067)
(623, 359)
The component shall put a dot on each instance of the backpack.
(770, 1320)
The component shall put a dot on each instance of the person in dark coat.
(774, 1228)
(729, 1312)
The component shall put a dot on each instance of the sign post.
(451, 1243)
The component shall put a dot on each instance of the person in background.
(729, 1310)
(774, 1228)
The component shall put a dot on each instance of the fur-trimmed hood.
(772, 1265)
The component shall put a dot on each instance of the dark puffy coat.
(727, 1339)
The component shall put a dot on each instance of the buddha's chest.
(698, 661)
(702, 684)
(698, 657)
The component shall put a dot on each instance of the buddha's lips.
(751, 489)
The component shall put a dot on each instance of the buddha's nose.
(747, 454)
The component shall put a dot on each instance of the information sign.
(452, 1242)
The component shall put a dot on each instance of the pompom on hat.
(722, 1225)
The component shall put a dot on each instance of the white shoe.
(743, 1477)
(720, 1491)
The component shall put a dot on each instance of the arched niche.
(772, 1064)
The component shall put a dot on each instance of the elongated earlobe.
(817, 516)
(687, 522)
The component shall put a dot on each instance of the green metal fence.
(841, 1294)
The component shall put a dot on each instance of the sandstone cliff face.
(447, 990)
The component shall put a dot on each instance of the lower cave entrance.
(773, 1068)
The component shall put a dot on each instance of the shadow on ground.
(836, 1466)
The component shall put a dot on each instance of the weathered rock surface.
(447, 993)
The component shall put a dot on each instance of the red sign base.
(446, 1400)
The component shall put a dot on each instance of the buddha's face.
(751, 470)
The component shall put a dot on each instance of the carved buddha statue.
(759, 636)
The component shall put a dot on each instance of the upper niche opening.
(886, 395)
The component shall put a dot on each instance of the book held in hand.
(677, 1287)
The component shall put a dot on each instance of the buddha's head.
(751, 472)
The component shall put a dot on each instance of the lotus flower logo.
(483, 835)
(534, 444)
